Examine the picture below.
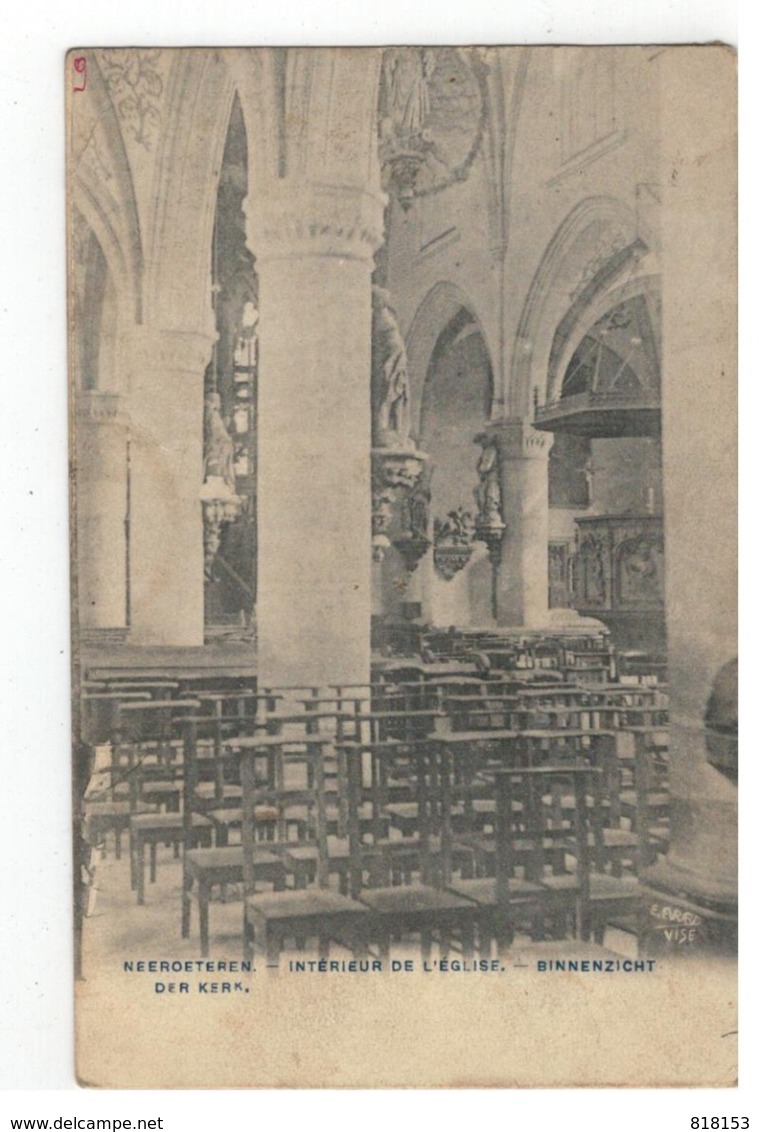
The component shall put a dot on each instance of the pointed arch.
(592, 246)
(439, 307)
(103, 192)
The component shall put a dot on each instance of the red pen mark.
(80, 67)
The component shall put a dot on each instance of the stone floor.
(117, 928)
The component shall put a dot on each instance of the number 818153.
(719, 1122)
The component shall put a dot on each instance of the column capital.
(315, 220)
(516, 439)
(99, 406)
(179, 350)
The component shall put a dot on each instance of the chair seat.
(338, 849)
(654, 801)
(413, 898)
(483, 890)
(604, 887)
(413, 844)
(166, 822)
(618, 839)
(207, 791)
(233, 817)
(300, 903)
(484, 806)
(566, 883)
(214, 860)
(160, 787)
(486, 843)
(116, 809)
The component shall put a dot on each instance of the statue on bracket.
(218, 447)
(407, 71)
(488, 491)
(489, 525)
(454, 537)
(390, 386)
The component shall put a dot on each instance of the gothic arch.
(575, 262)
(439, 306)
(589, 313)
(187, 165)
(103, 193)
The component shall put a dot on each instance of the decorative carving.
(103, 408)
(92, 159)
(390, 387)
(488, 491)
(608, 245)
(383, 499)
(640, 564)
(433, 112)
(590, 573)
(136, 88)
(454, 538)
(489, 525)
(221, 504)
(559, 566)
(414, 541)
(322, 220)
(218, 447)
(393, 474)
(396, 463)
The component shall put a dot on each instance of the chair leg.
(153, 861)
(273, 944)
(204, 900)
(132, 862)
(140, 866)
(186, 904)
(248, 937)
(467, 939)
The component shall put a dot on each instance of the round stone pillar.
(314, 250)
(166, 370)
(699, 425)
(100, 484)
(522, 580)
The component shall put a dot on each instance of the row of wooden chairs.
(290, 822)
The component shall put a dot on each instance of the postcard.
(403, 489)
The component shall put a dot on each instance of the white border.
(35, 956)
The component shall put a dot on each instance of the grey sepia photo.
(403, 409)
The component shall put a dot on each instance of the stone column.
(314, 247)
(699, 419)
(522, 582)
(166, 370)
(100, 483)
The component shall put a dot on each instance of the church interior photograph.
(403, 618)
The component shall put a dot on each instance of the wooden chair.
(153, 729)
(104, 809)
(420, 905)
(317, 912)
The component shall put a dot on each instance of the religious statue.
(218, 448)
(390, 387)
(407, 74)
(457, 529)
(488, 491)
(419, 510)
(589, 472)
(640, 579)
